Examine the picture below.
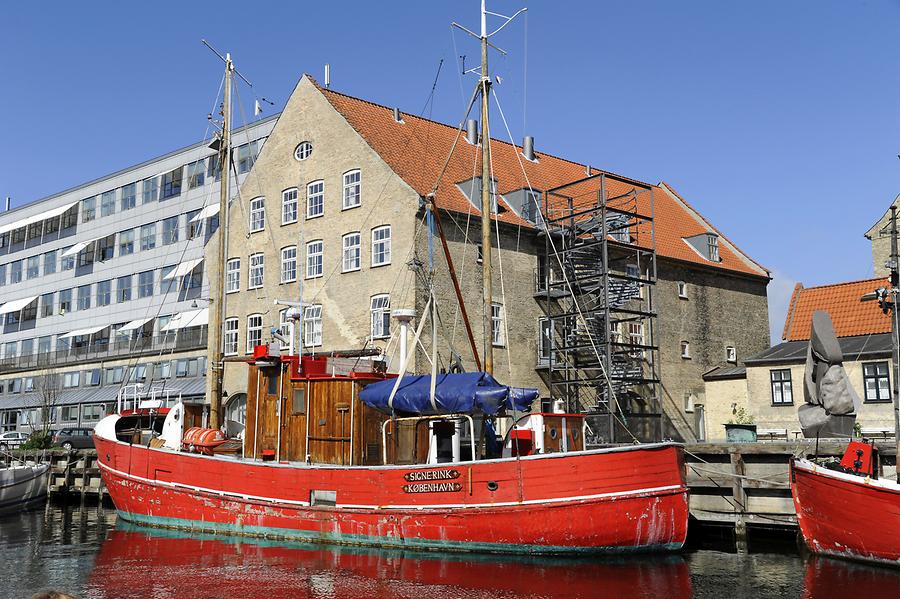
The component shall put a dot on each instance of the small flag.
(256, 108)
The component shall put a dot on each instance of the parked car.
(12, 440)
(74, 438)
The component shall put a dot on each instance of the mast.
(895, 327)
(217, 306)
(486, 272)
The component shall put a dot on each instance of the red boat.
(174, 565)
(845, 510)
(319, 464)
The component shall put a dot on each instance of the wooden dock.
(746, 484)
(74, 475)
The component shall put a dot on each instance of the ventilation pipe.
(588, 170)
(398, 117)
(472, 131)
(8, 200)
(327, 75)
(528, 148)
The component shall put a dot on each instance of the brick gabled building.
(769, 384)
(334, 205)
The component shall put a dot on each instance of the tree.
(46, 385)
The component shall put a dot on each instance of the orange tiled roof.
(418, 148)
(849, 314)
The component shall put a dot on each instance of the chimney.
(588, 170)
(327, 75)
(528, 148)
(472, 131)
(398, 116)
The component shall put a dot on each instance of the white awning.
(48, 214)
(16, 305)
(72, 251)
(183, 269)
(192, 318)
(207, 212)
(135, 324)
(81, 332)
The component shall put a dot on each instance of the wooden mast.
(488, 283)
(217, 304)
(895, 327)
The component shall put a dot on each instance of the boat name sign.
(423, 478)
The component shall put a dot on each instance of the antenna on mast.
(488, 192)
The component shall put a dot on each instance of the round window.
(553, 433)
(303, 151)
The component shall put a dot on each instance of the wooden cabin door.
(268, 409)
(330, 421)
(293, 422)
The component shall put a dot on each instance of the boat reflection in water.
(142, 562)
(828, 578)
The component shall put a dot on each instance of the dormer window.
(471, 188)
(705, 244)
(712, 247)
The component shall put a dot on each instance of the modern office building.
(104, 291)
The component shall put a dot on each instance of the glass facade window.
(104, 293)
(170, 185)
(150, 190)
(196, 174)
(246, 156)
(15, 272)
(88, 209)
(165, 282)
(46, 305)
(50, 262)
(65, 301)
(123, 289)
(108, 203)
(33, 267)
(129, 197)
(84, 297)
(145, 284)
(148, 236)
(170, 230)
(126, 242)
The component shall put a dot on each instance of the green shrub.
(38, 440)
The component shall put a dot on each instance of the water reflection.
(828, 578)
(135, 561)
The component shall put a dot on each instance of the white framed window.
(289, 264)
(314, 250)
(312, 326)
(686, 350)
(730, 354)
(230, 344)
(688, 402)
(545, 340)
(381, 316)
(352, 188)
(233, 275)
(351, 252)
(289, 206)
(498, 337)
(682, 290)
(257, 271)
(257, 214)
(381, 245)
(712, 247)
(636, 337)
(254, 331)
(315, 199)
(284, 323)
(303, 150)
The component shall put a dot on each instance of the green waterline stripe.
(380, 541)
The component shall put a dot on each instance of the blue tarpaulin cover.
(454, 394)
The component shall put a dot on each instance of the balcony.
(102, 350)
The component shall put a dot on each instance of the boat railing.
(417, 419)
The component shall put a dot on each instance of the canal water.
(87, 553)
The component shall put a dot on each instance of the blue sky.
(777, 120)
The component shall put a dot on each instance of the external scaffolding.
(595, 281)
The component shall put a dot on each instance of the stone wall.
(721, 310)
(722, 399)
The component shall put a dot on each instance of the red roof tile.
(417, 150)
(849, 314)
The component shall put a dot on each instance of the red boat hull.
(847, 516)
(628, 499)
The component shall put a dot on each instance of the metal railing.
(105, 349)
